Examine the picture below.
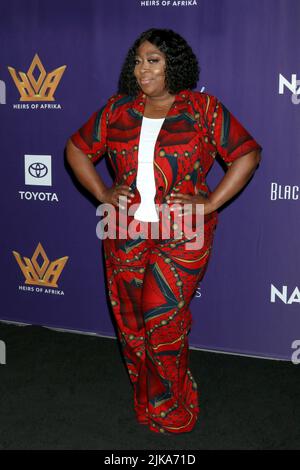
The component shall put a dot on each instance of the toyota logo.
(38, 170)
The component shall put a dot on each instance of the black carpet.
(69, 391)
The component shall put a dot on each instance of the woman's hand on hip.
(193, 200)
(116, 194)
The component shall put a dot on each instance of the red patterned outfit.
(152, 281)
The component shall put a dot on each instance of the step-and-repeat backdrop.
(59, 62)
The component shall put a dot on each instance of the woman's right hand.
(111, 195)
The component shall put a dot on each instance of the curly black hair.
(182, 68)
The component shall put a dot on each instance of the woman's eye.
(150, 60)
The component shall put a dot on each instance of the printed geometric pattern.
(150, 298)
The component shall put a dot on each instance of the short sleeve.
(227, 134)
(91, 137)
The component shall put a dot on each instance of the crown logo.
(46, 274)
(41, 88)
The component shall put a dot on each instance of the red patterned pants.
(151, 283)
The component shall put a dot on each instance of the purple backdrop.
(248, 302)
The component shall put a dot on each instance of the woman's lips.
(145, 81)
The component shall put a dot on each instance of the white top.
(146, 211)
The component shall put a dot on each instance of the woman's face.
(149, 69)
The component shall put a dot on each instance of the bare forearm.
(85, 171)
(237, 175)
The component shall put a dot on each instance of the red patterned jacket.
(196, 128)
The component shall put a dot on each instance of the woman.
(161, 138)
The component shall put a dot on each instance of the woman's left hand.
(193, 200)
